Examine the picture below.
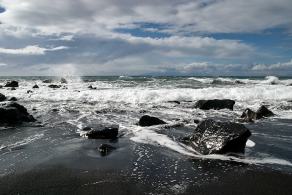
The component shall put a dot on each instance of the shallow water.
(145, 151)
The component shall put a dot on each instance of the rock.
(249, 116)
(90, 87)
(35, 86)
(11, 84)
(212, 137)
(1, 86)
(175, 102)
(103, 132)
(86, 129)
(146, 121)
(13, 99)
(197, 121)
(63, 80)
(13, 113)
(215, 104)
(12, 88)
(262, 112)
(105, 149)
(48, 81)
(29, 91)
(239, 82)
(54, 86)
(2, 97)
(55, 110)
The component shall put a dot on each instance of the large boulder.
(212, 137)
(215, 104)
(146, 121)
(102, 132)
(249, 116)
(2, 97)
(13, 113)
(11, 84)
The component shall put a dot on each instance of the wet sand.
(62, 180)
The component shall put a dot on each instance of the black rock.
(2, 97)
(211, 137)
(105, 149)
(146, 121)
(12, 88)
(13, 113)
(90, 87)
(215, 104)
(86, 129)
(11, 84)
(262, 112)
(197, 121)
(35, 86)
(13, 99)
(249, 116)
(29, 91)
(63, 80)
(103, 132)
(54, 86)
(176, 102)
(48, 81)
(1, 86)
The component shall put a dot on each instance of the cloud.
(178, 15)
(2, 64)
(30, 50)
(277, 66)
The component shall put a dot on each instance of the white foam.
(250, 144)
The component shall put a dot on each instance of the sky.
(146, 37)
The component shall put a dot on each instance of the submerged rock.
(54, 86)
(29, 91)
(12, 88)
(63, 80)
(249, 116)
(35, 86)
(11, 84)
(14, 113)
(212, 137)
(147, 120)
(2, 97)
(176, 102)
(105, 149)
(103, 132)
(215, 104)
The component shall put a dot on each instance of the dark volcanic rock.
(11, 84)
(105, 149)
(63, 80)
(29, 91)
(104, 132)
(211, 137)
(215, 104)
(14, 113)
(12, 88)
(262, 112)
(35, 86)
(249, 116)
(176, 102)
(13, 99)
(2, 97)
(54, 86)
(90, 87)
(146, 121)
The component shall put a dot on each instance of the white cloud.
(55, 16)
(277, 66)
(30, 50)
(3, 64)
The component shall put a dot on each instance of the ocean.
(151, 160)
